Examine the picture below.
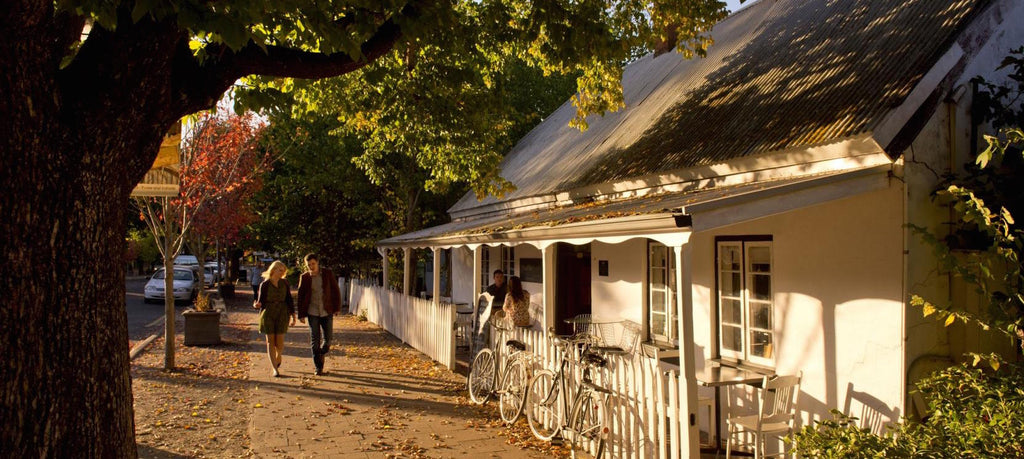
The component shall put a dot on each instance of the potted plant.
(202, 324)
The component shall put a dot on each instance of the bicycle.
(514, 378)
(547, 399)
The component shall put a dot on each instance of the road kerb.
(138, 348)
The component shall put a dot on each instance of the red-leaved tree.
(221, 170)
(221, 166)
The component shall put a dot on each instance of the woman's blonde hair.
(276, 264)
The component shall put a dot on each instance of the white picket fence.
(644, 402)
(416, 321)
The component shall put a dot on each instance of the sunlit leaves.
(222, 168)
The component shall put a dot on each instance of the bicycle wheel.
(544, 409)
(588, 424)
(481, 377)
(512, 393)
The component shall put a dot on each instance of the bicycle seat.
(595, 360)
(516, 344)
(611, 350)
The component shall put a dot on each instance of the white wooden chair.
(774, 416)
(709, 402)
(481, 315)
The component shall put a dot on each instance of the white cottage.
(750, 208)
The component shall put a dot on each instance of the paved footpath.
(380, 398)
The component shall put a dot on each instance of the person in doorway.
(274, 300)
(517, 303)
(256, 278)
(319, 301)
(498, 289)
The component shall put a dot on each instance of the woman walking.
(276, 306)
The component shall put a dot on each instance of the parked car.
(186, 285)
(186, 260)
(209, 276)
(212, 267)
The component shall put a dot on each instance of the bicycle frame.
(562, 381)
(501, 374)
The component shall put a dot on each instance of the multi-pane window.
(485, 263)
(746, 313)
(661, 277)
(508, 260)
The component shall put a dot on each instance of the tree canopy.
(344, 183)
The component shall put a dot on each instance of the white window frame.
(485, 264)
(508, 261)
(669, 334)
(746, 299)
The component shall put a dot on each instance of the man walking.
(319, 300)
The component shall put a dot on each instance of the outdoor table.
(718, 374)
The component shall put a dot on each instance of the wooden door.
(572, 284)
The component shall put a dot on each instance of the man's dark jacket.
(332, 294)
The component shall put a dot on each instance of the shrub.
(972, 412)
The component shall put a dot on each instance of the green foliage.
(434, 91)
(144, 246)
(841, 437)
(427, 117)
(973, 413)
(387, 150)
(315, 199)
(449, 102)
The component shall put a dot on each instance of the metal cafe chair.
(775, 413)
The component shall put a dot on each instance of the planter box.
(226, 290)
(201, 327)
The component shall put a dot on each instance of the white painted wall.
(462, 275)
(838, 288)
(620, 294)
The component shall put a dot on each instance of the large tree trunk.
(65, 372)
(79, 131)
(71, 149)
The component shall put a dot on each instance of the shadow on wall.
(872, 413)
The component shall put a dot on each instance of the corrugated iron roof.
(782, 74)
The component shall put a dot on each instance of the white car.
(186, 285)
(211, 267)
(208, 276)
(186, 260)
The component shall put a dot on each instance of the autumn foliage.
(222, 167)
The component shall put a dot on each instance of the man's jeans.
(320, 327)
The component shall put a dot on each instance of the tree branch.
(281, 61)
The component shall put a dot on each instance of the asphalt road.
(141, 314)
